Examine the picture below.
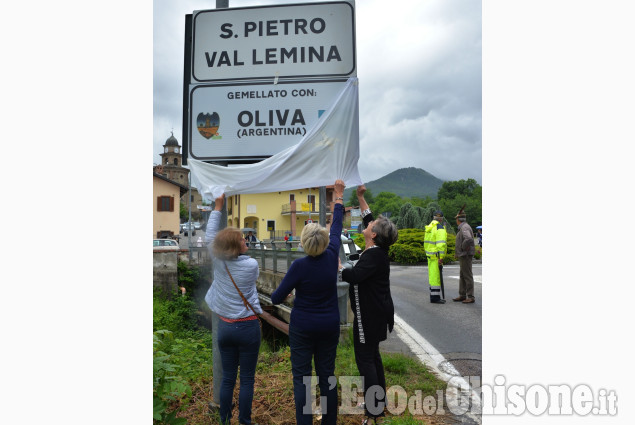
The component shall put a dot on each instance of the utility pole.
(323, 206)
(217, 365)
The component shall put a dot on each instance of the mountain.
(405, 182)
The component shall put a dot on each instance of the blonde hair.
(228, 243)
(314, 239)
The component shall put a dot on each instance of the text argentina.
(275, 120)
(273, 56)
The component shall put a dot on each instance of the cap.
(438, 215)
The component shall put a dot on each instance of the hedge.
(409, 247)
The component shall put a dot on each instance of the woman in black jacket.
(371, 302)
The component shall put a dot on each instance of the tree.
(429, 210)
(386, 202)
(454, 194)
(451, 189)
(473, 209)
(410, 217)
(183, 213)
(418, 201)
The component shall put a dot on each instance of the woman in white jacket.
(239, 327)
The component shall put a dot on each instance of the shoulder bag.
(247, 304)
(283, 326)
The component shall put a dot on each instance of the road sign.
(287, 41)
(253, 121)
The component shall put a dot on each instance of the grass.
(189, 351)
(273, 391)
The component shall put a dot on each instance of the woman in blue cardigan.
(314, 327)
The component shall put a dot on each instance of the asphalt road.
(453, 328)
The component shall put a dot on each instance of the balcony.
(302, 209)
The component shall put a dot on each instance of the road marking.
(430, 356)
(478, 279)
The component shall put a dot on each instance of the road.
(452, 329)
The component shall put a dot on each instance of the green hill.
(405, 182)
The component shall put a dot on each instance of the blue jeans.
(321, 347)
(238, 344)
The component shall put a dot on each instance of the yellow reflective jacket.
(434, 242)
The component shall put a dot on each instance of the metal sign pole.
(217, 365)
(322, 211)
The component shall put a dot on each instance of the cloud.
(419, 67)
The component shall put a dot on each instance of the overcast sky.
(419, 70)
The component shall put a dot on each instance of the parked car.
(197, 225)
(185, 227)
(165, 244)
(349, 252)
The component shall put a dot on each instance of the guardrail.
(273, 256)
(276, 258)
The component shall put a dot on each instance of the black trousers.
(371, 369)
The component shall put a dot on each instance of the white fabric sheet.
(329, 151)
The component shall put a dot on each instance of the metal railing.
(273, 256)
(277, 259)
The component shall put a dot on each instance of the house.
(172, 168)
(166, 196)
(275, 214)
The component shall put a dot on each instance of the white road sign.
(255, 121)
(286, 41)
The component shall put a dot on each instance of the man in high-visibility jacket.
(435, 246)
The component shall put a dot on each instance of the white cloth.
(329, 151)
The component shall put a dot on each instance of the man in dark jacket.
(372, 305)
(464, 249)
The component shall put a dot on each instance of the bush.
(167, 385)
(451, 244)
(182, 353)
(412, 237)
(409, 248)
(406, 254)
(359, 240)
(189, 276)
(176, 313)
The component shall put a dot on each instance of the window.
(176, 161)
(311, 200)
(165, 203)
(291, 197)
(271, 225)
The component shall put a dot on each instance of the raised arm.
(363, 205)
(213, 223)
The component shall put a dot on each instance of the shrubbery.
(358, 238)
(182, 353)
(406, 254)
(176, 313)
(409, 248)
